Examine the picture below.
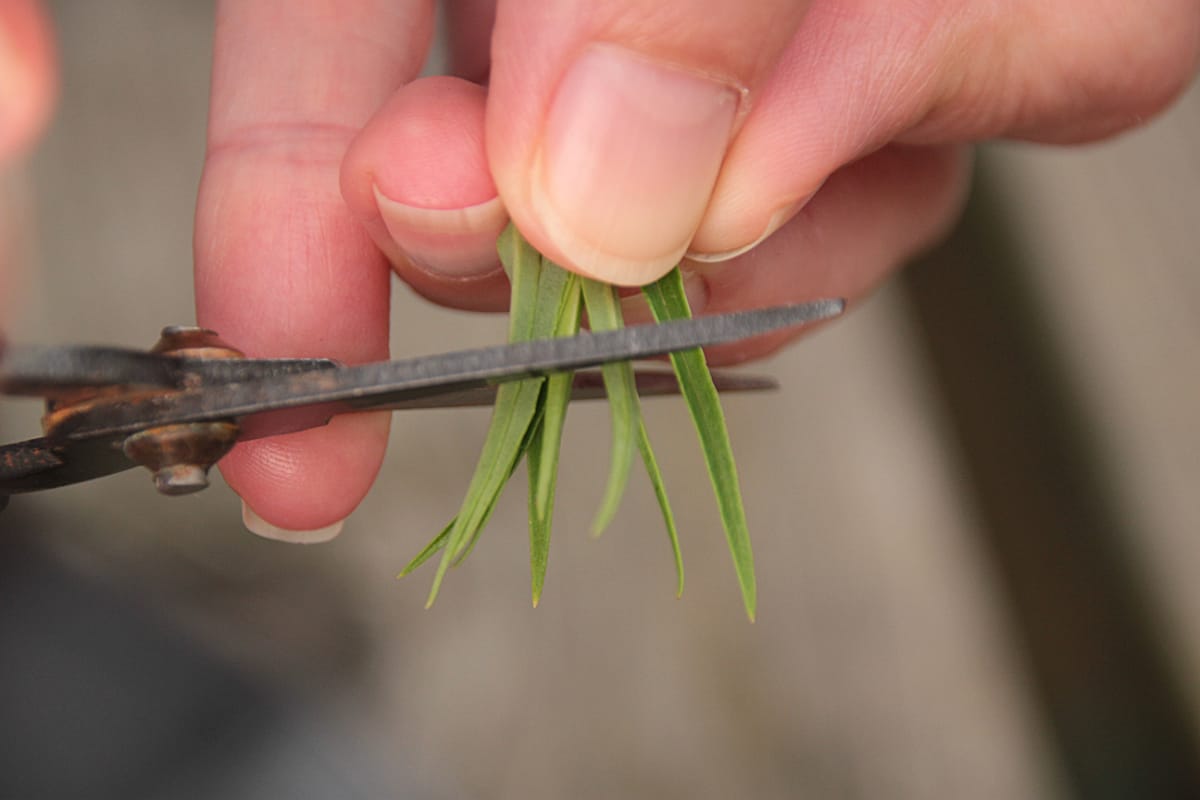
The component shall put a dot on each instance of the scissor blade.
(39, 371)
(385, 384)
(486, 367)
(589, 385)
(48, 372)
(37, 464)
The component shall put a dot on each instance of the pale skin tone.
(619, 136)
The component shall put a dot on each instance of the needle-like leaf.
(515, 409)
(660, 492)
(543, 450)
(604, 314)
(528, 419)
(558, 388)
(539, 516)
(530, 433)
(668, 301)
(434, 546)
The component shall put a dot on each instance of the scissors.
(178, 408)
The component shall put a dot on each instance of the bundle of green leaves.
(528, 418)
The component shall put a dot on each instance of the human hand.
(619, 136)
(27, 84)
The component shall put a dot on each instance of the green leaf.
(604, 314)
(539, 516)
(516, 408)
(435, 545)
(530, 433)
(558, 395)
(544, 448)
(660, 492)
(527, 419)
(667, 302)
(524, 267)
(529, 416)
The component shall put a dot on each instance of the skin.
(28, 85)
(812, 121)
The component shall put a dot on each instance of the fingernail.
(636, 310)
(629, 155)
(451, 242)
(780, 218)
(256, 524)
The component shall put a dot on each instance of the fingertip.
(282, 267)
(417, 177)
(728, 232)
(260, 527)
(453, 243)
(424, 147)
(308, 481)
(628, 155)
(487, 292)
(607, 139)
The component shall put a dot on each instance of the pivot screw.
(193, 342)
(180, 455)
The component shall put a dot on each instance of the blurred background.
(974, 506)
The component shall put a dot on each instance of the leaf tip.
(600, 524)
(437, 583)
(538, 583)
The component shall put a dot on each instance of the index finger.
(282, 269)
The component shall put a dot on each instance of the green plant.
(529, 415)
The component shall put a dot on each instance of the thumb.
(607, 123)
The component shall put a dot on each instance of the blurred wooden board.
(1111, 234)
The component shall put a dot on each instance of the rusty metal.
(68, 398)
(191, 341)
(180, 456)
(40, 464)
(180, 407)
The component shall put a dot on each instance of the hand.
(619, 136)
(27, 83)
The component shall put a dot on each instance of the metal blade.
(589, 385)
(385, 384)
(50, 371)
(37, 464)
